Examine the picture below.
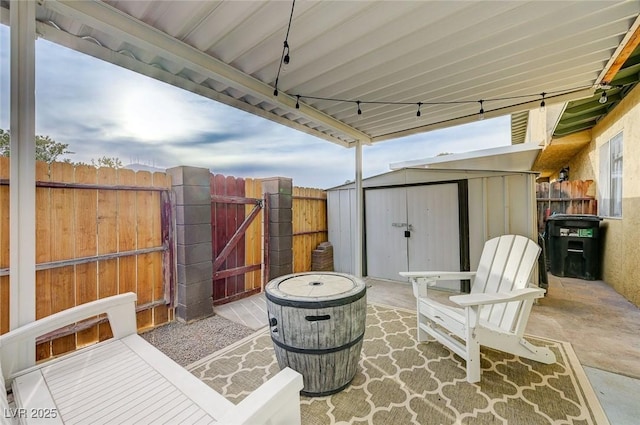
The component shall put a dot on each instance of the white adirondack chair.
(125, 380)
(496, 311)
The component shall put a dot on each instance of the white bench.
(125, 380)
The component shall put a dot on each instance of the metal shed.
(434, 218)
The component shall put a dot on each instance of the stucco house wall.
(621, 236)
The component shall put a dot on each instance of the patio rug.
(402, 382)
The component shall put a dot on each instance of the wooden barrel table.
(317, 323)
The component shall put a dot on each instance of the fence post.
(278, 190)
(193, 237)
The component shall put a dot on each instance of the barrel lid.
(315, 286)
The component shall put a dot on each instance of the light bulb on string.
(297, 101)
(543, 104)
(481, 112)
(286, 58)
(603, 98)
(286, 55)
(418, 114)
(359, 110)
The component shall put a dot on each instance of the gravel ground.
(186, 343)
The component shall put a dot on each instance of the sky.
(100, 109)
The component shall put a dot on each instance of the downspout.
(22, 240)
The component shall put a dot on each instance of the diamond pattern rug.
(402, 382)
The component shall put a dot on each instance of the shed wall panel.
(519, 205)
(477, 220)
(341, 222)
(495, 187)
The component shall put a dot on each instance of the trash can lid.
(583, 217)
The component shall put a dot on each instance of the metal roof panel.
(382, 51)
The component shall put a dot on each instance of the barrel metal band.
(316, 303)
(317, 350)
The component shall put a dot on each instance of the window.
(610, 184)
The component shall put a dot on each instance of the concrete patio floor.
(602, 326)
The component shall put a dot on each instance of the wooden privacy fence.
(103, 231)
(99, 232)
(309, 225)
(568, 197)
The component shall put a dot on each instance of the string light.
(605, 86)
(285, 58)
(603, 98)
(526, 98)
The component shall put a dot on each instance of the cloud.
(100, 109)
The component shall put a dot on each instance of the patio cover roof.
(372, 51)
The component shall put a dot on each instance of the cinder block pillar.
(193, 236)
(278, 190)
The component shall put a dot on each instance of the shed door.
(429, 213)
(385, 212)
(434, 243)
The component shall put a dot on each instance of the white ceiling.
(381, 51)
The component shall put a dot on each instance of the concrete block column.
(278, 191)
(193, 236)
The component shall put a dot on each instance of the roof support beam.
(22, 191)
(622, 53)
(105, 18)
(358, 243)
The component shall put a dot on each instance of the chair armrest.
(276, 402)
(420, 280)
(468, 300)
(120, 310)
(430, 276)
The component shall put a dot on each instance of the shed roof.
(504, 158)
(415, 176)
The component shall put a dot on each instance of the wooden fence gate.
(236, 235)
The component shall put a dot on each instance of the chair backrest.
(506, 264)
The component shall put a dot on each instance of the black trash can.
(573, 243)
